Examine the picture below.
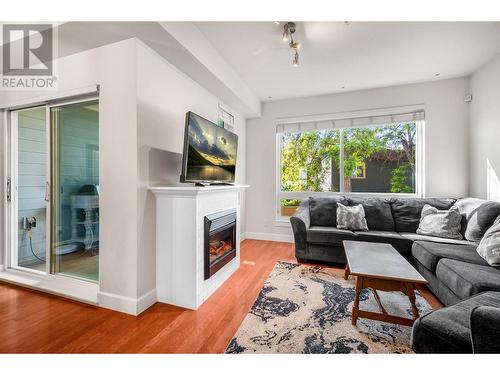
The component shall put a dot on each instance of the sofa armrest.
(300, 223)
(485, 329)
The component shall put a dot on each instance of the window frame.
(301, 195)
(363, 174)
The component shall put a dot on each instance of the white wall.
(143, 101)
(164, 95)
(113, 68)
(446, 144)
(484, 132)
(208, 59)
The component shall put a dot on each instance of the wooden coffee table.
(380, 267)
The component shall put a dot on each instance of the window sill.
(301, 194)
(282, 222)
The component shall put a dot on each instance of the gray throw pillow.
(489, 247)
(352, 218)
(323, 210)
(440, 223)
(477, 216)
(378, 213)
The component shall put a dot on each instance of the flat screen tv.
(209, 152)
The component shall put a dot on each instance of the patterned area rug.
(305, 309)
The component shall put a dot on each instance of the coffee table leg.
(347, 272)
(411, 295)
(355, 306)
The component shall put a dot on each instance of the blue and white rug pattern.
(307, 309)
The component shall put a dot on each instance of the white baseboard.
(243, 236)
(145, 301)
(269, 236)
(127, 305)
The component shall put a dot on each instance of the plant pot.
(288, 210)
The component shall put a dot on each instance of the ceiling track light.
(296, 59)
(288, 31)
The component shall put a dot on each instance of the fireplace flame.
(218, 249)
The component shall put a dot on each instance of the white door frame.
(11, 163)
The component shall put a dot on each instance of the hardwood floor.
(33, 322)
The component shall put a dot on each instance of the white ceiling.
(355, 56)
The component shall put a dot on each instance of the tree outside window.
(310, 161)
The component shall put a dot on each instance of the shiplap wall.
(32, 166)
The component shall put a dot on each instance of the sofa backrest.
(406, 211)
(477, 216)
(323, 210)
(384, 214)
(403, 214)
(377, 212)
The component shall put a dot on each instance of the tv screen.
(209, 152)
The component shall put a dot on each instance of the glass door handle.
(47, 191)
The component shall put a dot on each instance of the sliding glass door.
(75, 189)
(29, 189)
(55, 189)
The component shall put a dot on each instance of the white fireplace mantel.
(180, 213)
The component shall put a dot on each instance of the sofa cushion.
(466, 279)
(401, 244)
(328, 235)
(440, 223)
(423, 237)
(477, 216)
(406, 211)
(430, 253)
(323, 210)
(377, 212)
(447, 330)
(440, 290)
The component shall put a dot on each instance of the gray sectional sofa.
(453, 268)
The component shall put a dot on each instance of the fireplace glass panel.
(220, 240)
(220, 243)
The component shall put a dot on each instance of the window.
(369, 159)
(359, 171)
(380, 159)
(307, 160)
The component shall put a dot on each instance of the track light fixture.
(296, 59)
(288, 31)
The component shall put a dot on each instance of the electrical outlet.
(29, 222)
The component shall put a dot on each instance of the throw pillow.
(323, 210)
(489, 247)
(477, 216)
(352, 218)
(440, 223)
(378, 213)
(407, 211)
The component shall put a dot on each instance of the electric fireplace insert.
(220, 240)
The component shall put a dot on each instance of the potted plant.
(289, 206)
